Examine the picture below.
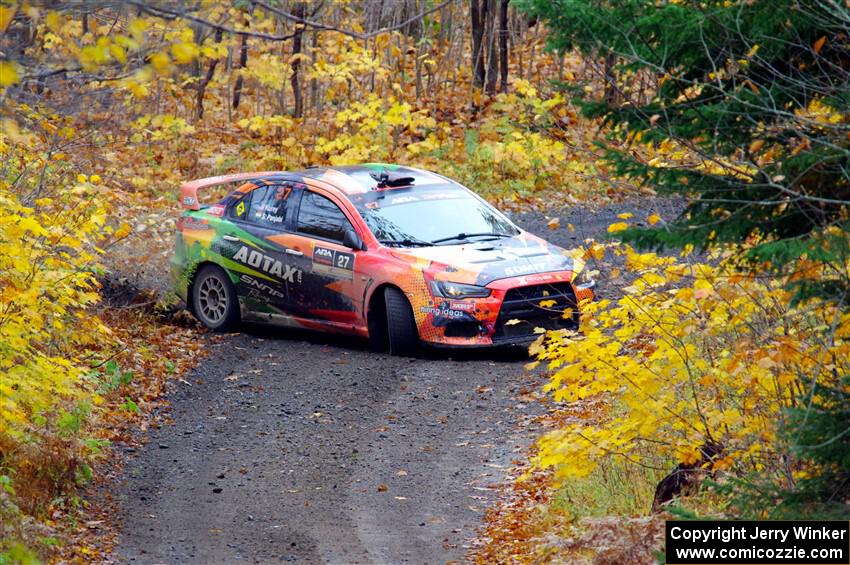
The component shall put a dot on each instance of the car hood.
(482, 262)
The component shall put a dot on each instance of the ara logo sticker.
(240, 208)
(333, 262)
(268, 264)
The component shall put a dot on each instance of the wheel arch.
(376, 312)
(193, 275)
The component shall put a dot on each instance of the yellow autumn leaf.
(184, 52)
(8, 74)
(6, 15)
(625, 215)
(653, 219)
(161, 62)
(618, 227)
(54, 22)
(123, 231)
(137, 28)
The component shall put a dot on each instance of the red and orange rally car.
(396, 254)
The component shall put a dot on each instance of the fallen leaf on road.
(383, 488)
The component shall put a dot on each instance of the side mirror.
(352, 240)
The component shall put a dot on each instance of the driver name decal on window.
(332, 262)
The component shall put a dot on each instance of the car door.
(328, 292)
(265, 268)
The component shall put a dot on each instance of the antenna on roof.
(385, 181)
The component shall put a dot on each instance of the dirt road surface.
(293, 447)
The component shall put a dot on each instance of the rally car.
(396, 254)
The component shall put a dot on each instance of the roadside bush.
(695, 354)
(48, 261)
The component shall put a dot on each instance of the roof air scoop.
(386, 181)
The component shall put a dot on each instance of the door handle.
(230, 238)
(294, 252)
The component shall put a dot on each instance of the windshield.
(429, 218)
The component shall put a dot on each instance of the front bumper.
(512, 315)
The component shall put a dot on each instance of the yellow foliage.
(693, 353)
(47, 266)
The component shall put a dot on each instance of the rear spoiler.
(189, 189)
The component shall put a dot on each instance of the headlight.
(447, 289)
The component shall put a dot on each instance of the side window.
(269, 205)
(320, 217)
(239, 207)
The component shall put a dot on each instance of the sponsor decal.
(188, 201)
(404, 199)
(215, 210)
(333, 262)
(240, 208)
(268, 264)
(523, 269)
(462, 306)
(194, 224)
(253, 284)
(443, 312)
(531, 279)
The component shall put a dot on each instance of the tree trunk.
(298, 99)
(610, 84)
(492, 60)
(202, 86)
(503, 45)
(478, 14)
(243, 62)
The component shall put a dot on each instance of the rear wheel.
(402, 335)
(214, 300)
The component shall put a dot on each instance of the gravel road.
(284, 446)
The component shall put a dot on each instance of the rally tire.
(402, 336)
(214, 301)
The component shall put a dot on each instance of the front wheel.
(214, 300)
(402, 334)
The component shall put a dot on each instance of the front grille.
(524, 304)
(463, 329)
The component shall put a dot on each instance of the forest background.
(728, 359)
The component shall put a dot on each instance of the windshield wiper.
(407, 242)
(468, 235)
